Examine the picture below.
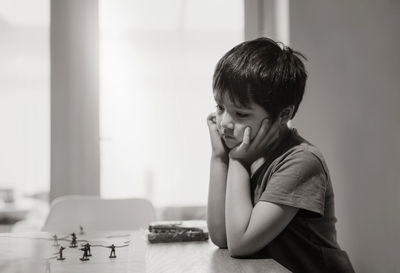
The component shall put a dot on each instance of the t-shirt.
(295, 174)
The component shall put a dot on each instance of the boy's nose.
(227, 123)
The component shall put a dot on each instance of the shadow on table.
(222, 262)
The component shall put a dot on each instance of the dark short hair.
(262, 72)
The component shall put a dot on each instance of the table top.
(36, 252)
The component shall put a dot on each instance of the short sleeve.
(298, 180)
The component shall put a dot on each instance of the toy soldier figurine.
(112, 254)
(85, 254)
(60, 252)
(73, 242)
(88, 249)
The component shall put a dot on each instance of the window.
(24, 96)
(156, 64)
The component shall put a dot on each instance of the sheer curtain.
(156, 63)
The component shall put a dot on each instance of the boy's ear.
(286, 114)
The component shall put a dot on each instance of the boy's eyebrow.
(220, 101)
(241, 108)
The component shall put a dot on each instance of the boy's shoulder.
(306, 150)
(300, 152)
(299, 145)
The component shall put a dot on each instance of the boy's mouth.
(225, 135)
(229, 141)
(228, 137)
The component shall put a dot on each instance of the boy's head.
(261, 72)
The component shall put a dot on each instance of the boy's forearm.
(216, 201)
(238, 207)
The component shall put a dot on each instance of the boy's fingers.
(262, 131)
(247, 136)
(271, 135)
(246, 140)
(211, 119)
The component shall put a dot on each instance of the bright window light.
(25, 96)
(156, 63)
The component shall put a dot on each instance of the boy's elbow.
(219, 242)
(217, 235)
(235, 255)
(237, 250)
(239, 254)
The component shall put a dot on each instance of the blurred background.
(110, 98)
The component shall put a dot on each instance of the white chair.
(175, 213)
(68, 213)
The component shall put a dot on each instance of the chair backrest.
(176, 213)
(68, 213)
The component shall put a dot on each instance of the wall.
(352, 112)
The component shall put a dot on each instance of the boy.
(270, 193)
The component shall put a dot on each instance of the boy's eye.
(242, 115)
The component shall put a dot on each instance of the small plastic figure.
(81, 230)
(73, 242)
(55, 240)
(60, 252)
(87, 245)
(85, 254)
(112, 254)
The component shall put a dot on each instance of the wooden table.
(36, 253)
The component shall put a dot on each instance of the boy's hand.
(250, 150)
(218, 147)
